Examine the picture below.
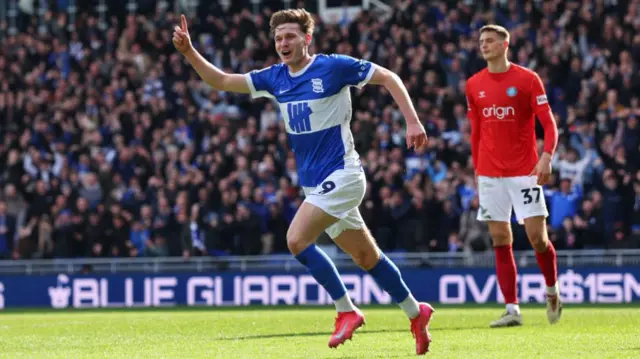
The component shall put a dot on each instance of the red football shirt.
(502, 109)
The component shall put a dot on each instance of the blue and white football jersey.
(316, 106)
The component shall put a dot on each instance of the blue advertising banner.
(577, 285)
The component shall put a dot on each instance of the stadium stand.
(111, 146)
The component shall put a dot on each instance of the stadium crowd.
(112, 146)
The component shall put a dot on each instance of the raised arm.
(210, 74)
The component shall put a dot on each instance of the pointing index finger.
(183, 20)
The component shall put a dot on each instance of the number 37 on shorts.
(498, 196)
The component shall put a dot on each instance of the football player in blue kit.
(313, 92)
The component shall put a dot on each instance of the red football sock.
(507, 273)
(548, 265)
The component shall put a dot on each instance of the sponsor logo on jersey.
(498, 112)
(299, 117)
(541, 100)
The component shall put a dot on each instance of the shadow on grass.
(364, 332)
(398, 355)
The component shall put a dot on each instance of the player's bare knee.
(361, 246)
(537, 233)
(296, 241)
(500, 234)
(367, 258)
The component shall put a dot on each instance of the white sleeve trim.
(254, 93)
(366, 80)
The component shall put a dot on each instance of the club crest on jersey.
(512, 92)
(317, 85)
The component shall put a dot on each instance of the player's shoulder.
(477, 77)
(269, 71)
(273, 68)
(336, 62)
(340, 58)
(524, 72)
(334, 58)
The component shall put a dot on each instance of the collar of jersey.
(304, 69)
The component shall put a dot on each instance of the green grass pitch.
(458, 332)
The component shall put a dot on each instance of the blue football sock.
(387, 275)
(323, 270)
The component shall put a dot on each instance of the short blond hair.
(297, 16)
(501, 31)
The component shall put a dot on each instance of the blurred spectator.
(474, 234)
(7, 231)
(564, 203)
(589, 227)
(570, 168)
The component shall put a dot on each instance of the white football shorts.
(498, 195)
(339, 195)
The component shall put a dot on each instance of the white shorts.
(498, 195)
(339, 195)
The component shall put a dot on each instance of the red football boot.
(420, 328)
(346, 324)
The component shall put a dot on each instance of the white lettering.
(571, 290)
(498, 112)
(537, 291)
(631, 287)
(541, 100)
(147, 292)
(591, 283)
(301, 289)
(218, 291)
(237, 290)
(287, 294)
(609, 289)
(160, 292)
(480, 296)
(371, 289)
(1, 295)
(85, 289)
(457, 281)
(303, 282)
(207, 293)
(128, 292)
(104, 293)
(261, 294)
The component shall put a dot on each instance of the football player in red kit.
(503, 101)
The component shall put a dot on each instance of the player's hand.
(181, 38)
(416, 136)
(542, 169)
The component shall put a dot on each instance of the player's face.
(291, 43)
(492, 45)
